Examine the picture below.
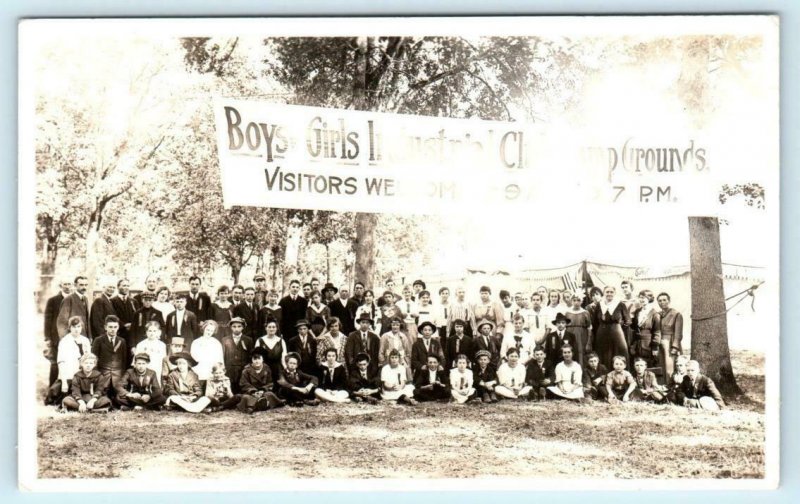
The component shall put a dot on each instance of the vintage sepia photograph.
(475, 253)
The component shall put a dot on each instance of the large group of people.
(251, 349)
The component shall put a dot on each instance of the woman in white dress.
(153, 347)
(206, 350)
(569, 377)
(511, 377)
(461, 381)
(163, 302)
(70, 349)
(395, 340)
(394, 385)
(373, 311)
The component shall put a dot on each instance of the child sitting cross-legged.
(89, 388)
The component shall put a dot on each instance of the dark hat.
(362, 356)
(481, 353)
(483, 322)
(427, 323)
(364, 316)
(148, 295)
(460, 322)
(259, 351)
(141, 356)
(560, 317)
(331, 287)
(238, 320)
(183, 355)
(295, 355)
(302, 322)
(259, 277)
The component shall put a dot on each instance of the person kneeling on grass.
(89, 388)
(218, 390)
(539, 374)
(619, 382)
(511, 377)
(430, 383)
(393, 382)
(182, 386)
(296, 386)
(256, 385)
(647, 387)
(139, 387)
(485, 376)
(461, 381)
(699, 391)
(568, 377)
(363, 386)
(332, 379)
(594, 378)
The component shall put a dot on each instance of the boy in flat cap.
(256, 385)
(236, 348)
(145, 314)
(305, 345)
(363, 385)
(89, 388)
(296, 386)
(485, 376)
(139, 387)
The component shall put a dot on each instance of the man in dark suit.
(698, 390)
(51, 336)
(363, 385)
(111, 352)
(142, 316)
(125, 308)
(150, 285)
(260, 298)
(557, 339)
(362, 341)
(75, 305)
(305, 345)
(139, 387)
(459, 343)
(236, 348)
(539, 374)
(424, 347)
(293, 308)
(182, 322)
(431, 383)
(102, 307)
(485, 340)
(345, 309)
(198, 302)
(248, 311)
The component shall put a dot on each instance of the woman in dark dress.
(608, 338)
(275, 347)
(222, 312)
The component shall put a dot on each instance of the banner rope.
(750, 291)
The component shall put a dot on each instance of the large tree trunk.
(365, 223)
(709, 319)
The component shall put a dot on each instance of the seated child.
(89, 388)
(594, 377)
(154, 348)
(539, 374)
(619, 382)
(674, 382)
(647, 387)
(393, 381)
(139, 387)
(363, 386)
(461, 381)
(256, 385)
(182, 386)
(332, 379)
(295, 386)
(699, 391)
(568, 377)
(485, 377)
(511, 377)
(430, 383)
(218, 390)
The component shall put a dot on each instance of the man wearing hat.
(293, 308)
(328, 293)
(345, 309)
(139, 387)
(360, 341)
(364, 385)
(304, 345)
(557, 339)
(198, 302)
(260, 298)
(143, 315)
(295, 386)
(257, 386)
(236, 348)
(425, 346)
(485, 340)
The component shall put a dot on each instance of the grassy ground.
(555, 439)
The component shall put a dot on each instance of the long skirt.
(575, 394)
(186, 404)
(393, 395)
(340, 396)
(609, 341)
(461, 399)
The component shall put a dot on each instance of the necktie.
(408, 307)
(537, 321)
(462, 382)
(445, 312)
(364, 374)
(519, 341)
(427, 345)
(458, 346)
(80, 348)
(364, 341)
(330, 373)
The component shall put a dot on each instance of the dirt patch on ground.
(554, 439)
